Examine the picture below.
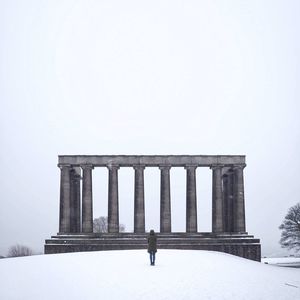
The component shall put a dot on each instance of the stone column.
(139, 202)
(72, 201)
(228, 195)
(77, 202)
(165, 199)
(217, 201)
(87, 199)
(239, 202)
(191, 199)
(65, 199)
(113, 200)
(225, 202)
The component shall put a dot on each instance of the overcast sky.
(147, 77)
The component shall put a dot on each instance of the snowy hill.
(120, 275)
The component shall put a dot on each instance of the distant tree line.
(19, 250)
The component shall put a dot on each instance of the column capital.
(139, 167)
(165, 167)
(215, 167)
(61, 166)
(85, 167)
(113, 167)
(189, 167)
(242, 166)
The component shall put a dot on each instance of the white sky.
(147, 77)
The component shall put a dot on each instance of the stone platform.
(240, 244)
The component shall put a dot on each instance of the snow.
(279, 260)
(121, 275)
(283, 261)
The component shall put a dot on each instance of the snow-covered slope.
(120, 275)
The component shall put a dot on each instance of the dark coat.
(152, 242)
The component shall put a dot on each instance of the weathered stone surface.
(113, 199)
(242, 245)
(228, 207)
(239, 202)
(228, 195)
(65, 199)
(165, 199)
(87, 199)
(151, 160)
(191, 199)
(75, 202)
(217, 200)
(139, 202)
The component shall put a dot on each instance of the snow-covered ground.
(121, 275)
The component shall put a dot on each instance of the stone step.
(240, 244)
(136, 246)
(250, 251)
(97, 247)
(160, 241)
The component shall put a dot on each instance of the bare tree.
(121, 228)
(19, 250)
(290, 235)
(101, 225)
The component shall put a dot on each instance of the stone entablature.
(152, 160)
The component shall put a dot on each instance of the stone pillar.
(113, 200)
(165, 199)
(225, 202)
(87, 199)
(139, 202)
(77, 202)
(65, 199)
(191, 199)
(239, 202)
(72, 201)
(217, 201)
(228, 195)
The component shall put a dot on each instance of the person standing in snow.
(152, 247)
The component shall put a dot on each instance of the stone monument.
(228, 206)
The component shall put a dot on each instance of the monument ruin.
(228, 205)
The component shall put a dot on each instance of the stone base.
(240, 244)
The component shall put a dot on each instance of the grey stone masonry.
(228, 195)
(228, 204)
(191, 199)
(228, 208)
(217, 200)
(239, 201)
(151, 160)
(165, 199)
(225, 193)
(87, 199)
(75, 225)
(65, 199)
(113, 199)
(139, 203)
(242, 245)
